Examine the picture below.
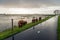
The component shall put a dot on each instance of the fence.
(6, 22)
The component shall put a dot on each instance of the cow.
(34, 20)
(39, 18)
(21, 23)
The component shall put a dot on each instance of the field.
(9, 32)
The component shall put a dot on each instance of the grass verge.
(58, 29)
(7, 33)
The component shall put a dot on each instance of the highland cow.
(21, 23)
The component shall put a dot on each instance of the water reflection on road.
(43, 31)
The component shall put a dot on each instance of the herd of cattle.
(22, 22)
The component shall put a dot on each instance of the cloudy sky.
(29, 3)
(33, 6)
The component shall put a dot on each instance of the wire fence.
(6, 23)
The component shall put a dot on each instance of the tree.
(57, 12)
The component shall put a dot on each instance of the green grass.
(7, 33)
(58, 29)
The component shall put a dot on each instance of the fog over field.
(42, 10)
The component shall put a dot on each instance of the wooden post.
(12, 24)
(12, 29)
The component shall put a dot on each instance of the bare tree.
(57, 12)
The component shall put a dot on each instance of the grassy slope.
(58, 29)
(9, 32)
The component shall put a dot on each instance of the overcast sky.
(29, 3)
(29, 6)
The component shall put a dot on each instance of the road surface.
(42, 31)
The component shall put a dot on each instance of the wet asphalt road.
(42, 31)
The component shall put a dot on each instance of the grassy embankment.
(7, 33)
(58, 29)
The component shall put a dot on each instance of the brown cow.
(39, 18)
(21, 23)
(33, 20)
(36, 19)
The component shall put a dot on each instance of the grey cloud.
(29, 3)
